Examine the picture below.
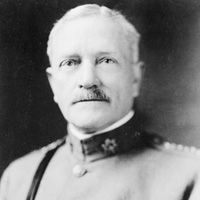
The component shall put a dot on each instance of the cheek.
(122, 84)
(62, 87)
(124, 93)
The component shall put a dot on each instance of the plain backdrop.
(170, 47)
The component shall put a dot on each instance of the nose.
(88, 77)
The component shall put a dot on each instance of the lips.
(90, 100)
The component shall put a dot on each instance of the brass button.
(79, 170)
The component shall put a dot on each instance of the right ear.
(49, 72)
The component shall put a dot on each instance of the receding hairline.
(88, 10)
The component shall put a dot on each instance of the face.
(92, 77)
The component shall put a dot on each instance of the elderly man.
(95, 75)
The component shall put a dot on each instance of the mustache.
(91, 95)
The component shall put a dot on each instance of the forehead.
(91, 33)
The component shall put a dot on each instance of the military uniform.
(123, 164)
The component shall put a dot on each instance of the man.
(95, 75)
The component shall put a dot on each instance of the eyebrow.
(64, 56)
(76, 55)
(106, 52)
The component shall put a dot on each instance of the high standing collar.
(117, 141)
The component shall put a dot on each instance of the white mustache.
(91, 95)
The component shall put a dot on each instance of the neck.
(82, 135)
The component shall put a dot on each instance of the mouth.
(90, 100)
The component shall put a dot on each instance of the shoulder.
(179, 151)
(20, 173)
(172, 157)
(31, 160)
(189, 151)
(162, 145)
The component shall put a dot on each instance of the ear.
(49, 72)
(138, 72)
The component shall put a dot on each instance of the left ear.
(138, 72)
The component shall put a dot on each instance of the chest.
(109, 179)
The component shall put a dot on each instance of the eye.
(106, 60)
(69, 63)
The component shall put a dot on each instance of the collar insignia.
(110, 146)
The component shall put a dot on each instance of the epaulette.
(158, 142)
(181, 148)
(53, 145)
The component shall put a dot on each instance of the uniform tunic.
(123, 164)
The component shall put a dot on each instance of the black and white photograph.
(99, 100)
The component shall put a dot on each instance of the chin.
(90, 122)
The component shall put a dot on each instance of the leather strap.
(40, 171)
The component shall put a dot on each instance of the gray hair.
(131, 34)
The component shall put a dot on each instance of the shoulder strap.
(40, 171)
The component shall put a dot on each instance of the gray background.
(170, 47)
